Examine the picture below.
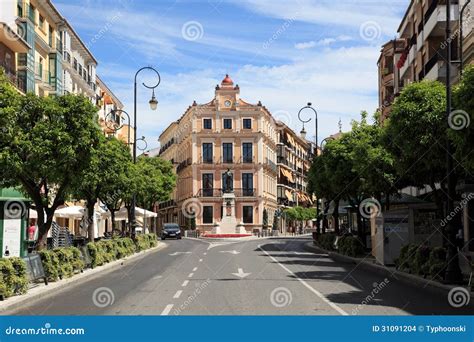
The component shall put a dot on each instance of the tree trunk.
(44, 228)
(112, 217)
(336, 216)
(90, 219)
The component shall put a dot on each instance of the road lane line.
(185, 283)
(167, 310)
(204, 253)
(309, 287)
(200, 260)
(190, 275)
(177, 294)
(195, 269)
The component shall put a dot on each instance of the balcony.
(218, 193)
(435, 18)
(12, 76)
(43, 76)
(185, 163)
(271, 165)
(227, 160)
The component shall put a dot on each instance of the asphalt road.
(259, 277)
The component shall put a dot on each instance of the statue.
(228, 181)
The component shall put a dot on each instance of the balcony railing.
(43, 74)
(181, 166)
(12, 76)
(216, 192)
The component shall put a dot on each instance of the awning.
(289, 195)
(122, 214)
(72, 212)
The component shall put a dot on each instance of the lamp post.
(461, 59)
(308, 106)
(453, 272)
(153, 104)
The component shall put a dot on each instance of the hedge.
(61, 262)
(350, 246)
(422, 260)
(105, 251)
(13, 277)
(326, 241)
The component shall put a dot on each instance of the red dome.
(227, 80)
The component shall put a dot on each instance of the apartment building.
(420, 51)
(225, 145)
(293, 161)
(46, 56)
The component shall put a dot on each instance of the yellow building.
(225, 134)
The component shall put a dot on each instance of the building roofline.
(111, 93)
(405, 15)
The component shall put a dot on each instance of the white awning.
(122, 214)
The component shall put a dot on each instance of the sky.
(283, 53)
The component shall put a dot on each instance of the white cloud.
(322, 42)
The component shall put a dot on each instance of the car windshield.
(171, 228)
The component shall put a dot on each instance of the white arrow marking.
(178, 253)
(241, 273)
(231, 252)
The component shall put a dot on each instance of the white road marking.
(204, 253)
(200, 260)
(231, 252)
(185, 283)
(179, 253)
(240, 273)
(177, 294)
(167, 310)
(309, 287)
(190, 275)
(195, 269)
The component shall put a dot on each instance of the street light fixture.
(153, 105)
(308, 106)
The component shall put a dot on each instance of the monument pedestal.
(229, 224)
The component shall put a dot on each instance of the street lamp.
(461, 61)
(308, 106)
(324, 141)
(453, 272)
(153, 105)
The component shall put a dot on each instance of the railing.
(271, 164)
(227, 160)
(206, 160)
(247, 159)
(12, 76)
(181, 166)
(217, 192)
(167, 204)
(43, 74)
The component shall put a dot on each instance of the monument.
(228, 224)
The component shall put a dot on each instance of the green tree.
(45, 143)
(101, 180)
(415, 134)
(462, 133)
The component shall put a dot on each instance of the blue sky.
(284, 53)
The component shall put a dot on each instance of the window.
(227, 182)
(247, 123)
(227, 123)
(207, 123)
(247, 184)
(32, 13)
(207, 156)
(227, 156)
(207, 214)
(41, 22)
(247, 152)
(247, 214)
(207, 184)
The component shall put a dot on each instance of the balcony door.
(247, 184)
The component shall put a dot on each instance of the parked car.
(170, 230)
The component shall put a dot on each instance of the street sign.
(34, 268)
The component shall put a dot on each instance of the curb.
(42, 291)
(407, 278)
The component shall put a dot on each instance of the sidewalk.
(41, 291)
(371, 265)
